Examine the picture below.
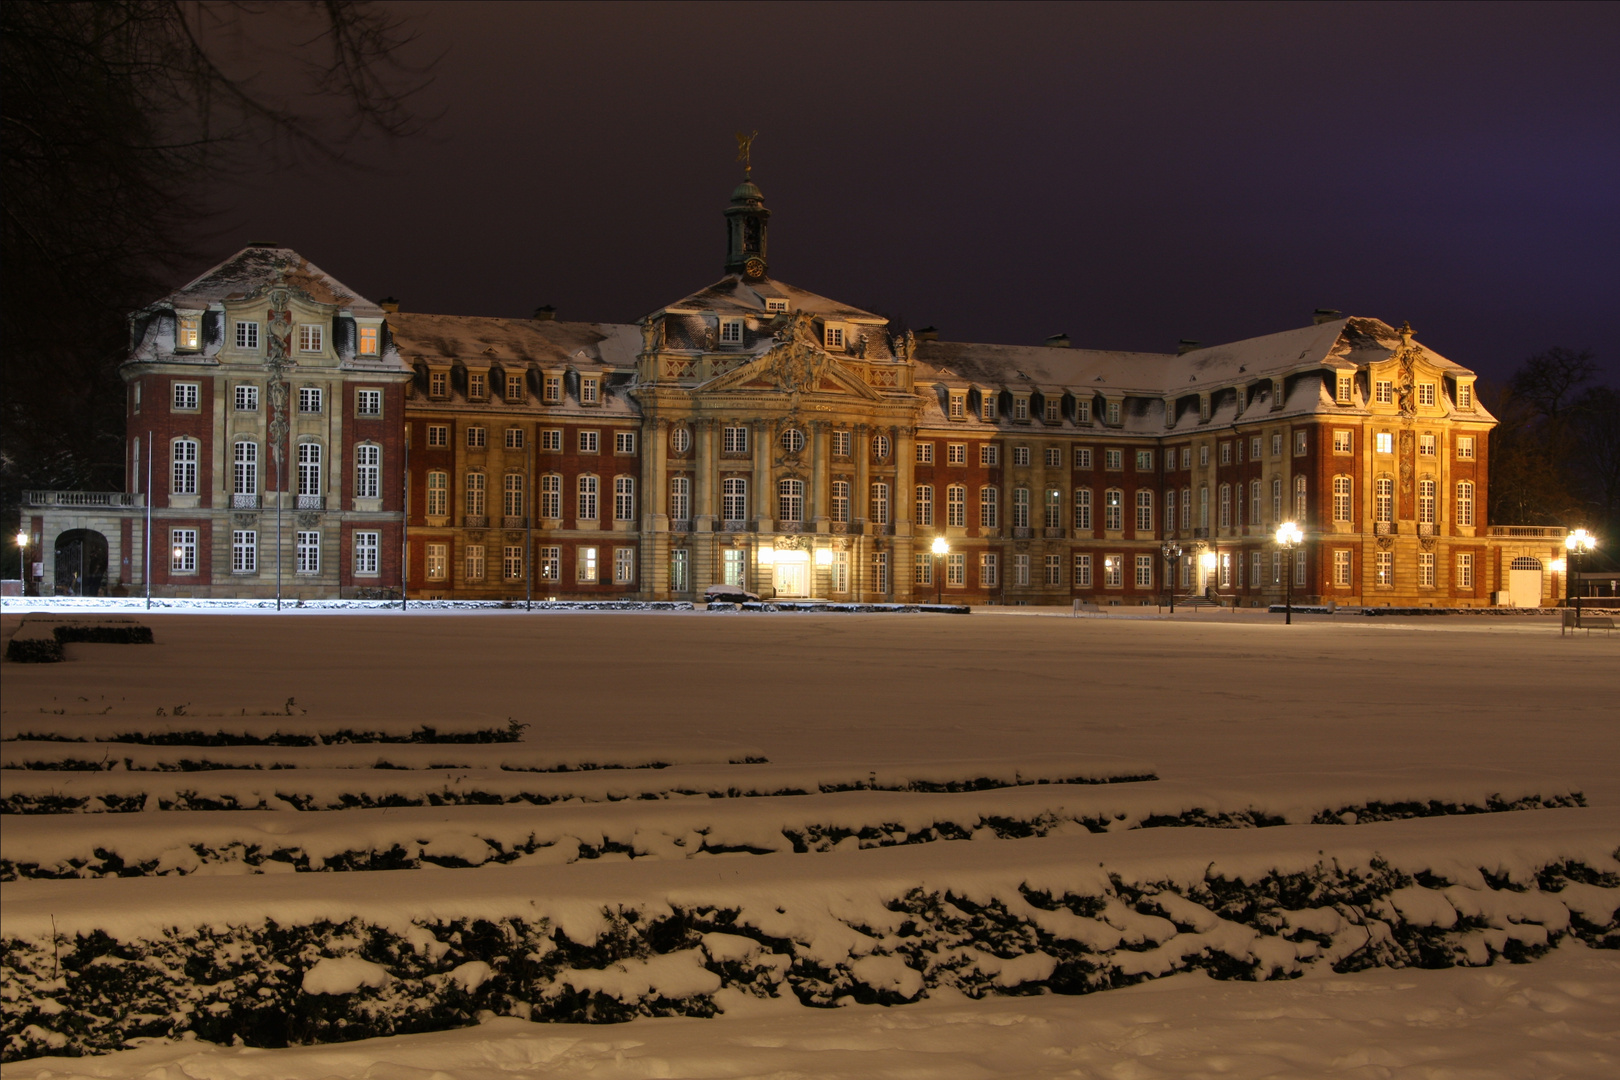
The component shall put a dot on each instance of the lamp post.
(940, 547)
(22, 558)
(1172, 559)
(1579, 543)
(1288, 538)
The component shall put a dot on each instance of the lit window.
(368, 341)
(183, 551)
(186, 395)
(1113, 571)
(310, 338)
(514, 438)
(585, 564)
(244, 551)
(308, 551)
(438, 434)
(589, 442)
(247, 397)
(551, 440)
(1384, 442)
(188, 332)
(549, 563)
(585, 506)
(247, 335)
(1342, 441)
(310, 399)
(476, 437)
(367, 549)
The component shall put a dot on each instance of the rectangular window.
(1082, 571)
(309, 551)
(1054, 410)
(244, 551)
(585, 564)
(735, 569)
(514, 389)
(1465, 570)
(731, 331)
(1426, 444)
(776, 304)
(733, 498)
(1301, 446)
(1465, 396)
(475, 494)
(1255, 563)
(1426, 501)
(989, 505)
(1054, 457)
(840, 501)
(989, 569)
(512, 562)
(840, 572)
(474, 560)
(1276, 444)
(958, 406)
(310, 338)
(1426, 569)
(1341, 498)
(1021, 457)
(989, 454)
(880, 503)
(1113, 571)
(1465, 447)
(1082, 457)
(1144, 571)
(1021, 409)
(1144, 461)
(734, 440)
(842, 442)
(1052, 504)
(1384, 499)
(439, 384)
(956, 506)
(956, 569)
(1426, 394)
(680, 575)
(956, 453)
(680, 498)
(183, 551)
(880, 572)
(1384, 569)
(1384, 392)
(1113, 510)
(1113, 460)
(1225, 565)
(1082, 412)
(1299, 567)
(551, 441)
(624, 442)
(585, 506)
(186, 396)
(1020, 508)
(1082, 510)
(1384, 442)
(438, 434)
(589, 442)
(438, 494)
(922, 568)
(1021, 569)
(367, 553)
(368, 402)
(834, 337)
(309, 399)
(1226, 453)
(925, 504)
(368, 341)
(1341, 441)
(1203, 455)
(512, 495)
(987, 407)
(925, 453)
(309, 470)
(184, 481)
(247, 397)
(1341, 568)
(247, 335)
(588, 391)
(1113, 414)
(476, 389)
(550, 563)
(367, 471)
(1465, 502)
(245, 470)
(1054, 570)
(551, 389)
(514, 438)
(624, 498)
(1170, 510)
(1144, 511)
(1226, 506)
(551, 497)
(1342, 397)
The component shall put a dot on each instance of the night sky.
(1130, 175)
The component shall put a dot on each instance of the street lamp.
(1172, 559)
(1288, 538)
(1579, 543)
(940, 547)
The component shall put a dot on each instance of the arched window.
(880, 447)
(585, 506)
(1465, 502)
(1384, 499)
(1054, 508)
(793, 440)
(1170, 511)
(245, 472)
(790, 500)
(734, 498)
(624, 498)
(367, 471)
(1203, 504)
(1226, 506)
(512, 491)
(1082, 510)
(475, 494)
(989, 506)
(1186, 507)
(184, 452)
(1020, 508)
(1276, 498)
(1144, 511)
(1114, 510)
(880, 502)
(840, 501)
(1255, 517)
(551, 497)
(956, 506)
(1425, 502)
(1341, 498)
(438, 493)
(925, 503)
(1299, 499)
(680, 498)
(309, 470)
(680, 439)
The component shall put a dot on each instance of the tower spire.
(746, 218)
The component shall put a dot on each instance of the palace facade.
(303, 439)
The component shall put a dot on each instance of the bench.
(1587, 623)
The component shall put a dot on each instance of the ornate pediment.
(794, 364)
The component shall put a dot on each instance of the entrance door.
(81, 563)
(1524, 582)
(791, 579)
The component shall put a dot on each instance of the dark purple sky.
(1130, 175)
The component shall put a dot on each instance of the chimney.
(928, 333)
(545, 314)
(1186, 345)
(389, 304)
(1324, 314)
(1058, 341)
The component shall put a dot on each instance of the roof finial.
(745, 146)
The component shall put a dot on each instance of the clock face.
(754, 268)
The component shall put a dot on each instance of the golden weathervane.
(745, 146)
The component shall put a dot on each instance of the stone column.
(901, 568)
(860, 551)
(705, 480)
(818, 503)
(762, 433)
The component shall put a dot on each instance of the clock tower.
(746, 226)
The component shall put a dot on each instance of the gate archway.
(81, 563)
(1524, 581)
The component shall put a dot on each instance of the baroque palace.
(286, 436)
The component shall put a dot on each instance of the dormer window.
(774, 305)
(588, 390)
(476, 386)
(1054, 410)
(1021, 409)
(1082, 412)
(1113, 413)
(1342, 397)
(551, 389)
(1465, 396)
(188, 332)
(987, 407)
(958, 406)
(833, 337)
(731, 331)
(514, 389)
(310, 338)
(368, 341)
(439, 384)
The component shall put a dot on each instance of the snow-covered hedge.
(272, 984)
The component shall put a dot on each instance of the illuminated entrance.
(791, 574)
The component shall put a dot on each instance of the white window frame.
(1144, 571)
(308, 546)
(474, 564)
(989, 455)
(624, 442)
(624, 566)
(367, 471)
(185, 397)
(989, 569)
(512, 564)
(247, 335)
(925, 453)
(734, 498)
(587, 498)
(585, 565)
(476, 493)
(513, 438)
(1343, 569)
(1343, 498)
(551, 440)
(624, 498)
(924, 496)
(310, 462)
(311, 399)
(1082, 570)
(247, 397)
(368, 403)
(989, 506)
(1082, 510)
(367, 553)
(734, 440)
(842, 444)
(244, 551)
(245, 467)
(184, 454)
(182, 551)
(1465, 570)
(548, 563)
(438, 434)
(956, 506)
(368, 340)
(438, 493)
(590, 442)
(551, 496)
(1082, 458)
(1465, 448)
(1465, 502)
(311, 337)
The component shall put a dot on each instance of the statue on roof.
(745, 147)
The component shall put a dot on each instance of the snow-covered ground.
(879, 718)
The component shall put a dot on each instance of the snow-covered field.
(795, 794)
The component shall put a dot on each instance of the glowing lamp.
(1580, 541)
(1288, 534)
(1557, 566)
(767, 555)
(940, 547)
(1207, 560)
(824, 556)
(22, 538)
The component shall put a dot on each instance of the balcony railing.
(789, 526)
(1425, 528)
(735, 525)
(244, 502)
(1383, 528)
(839, 526)
(1527, 532)
(511, 521)
(680, 524)
(312, 502)
(80, 498)
(1053, 533)
(1022, 532)
(475, 521)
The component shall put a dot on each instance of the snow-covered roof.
(253, 268)
(732, 295)
(545, 342)
(1038, 367)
